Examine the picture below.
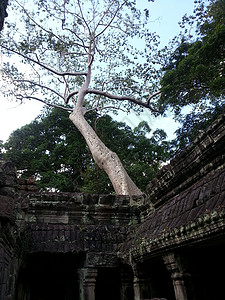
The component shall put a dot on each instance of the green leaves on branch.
(54, 152)
(194, 76)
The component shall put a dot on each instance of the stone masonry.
(167, 244)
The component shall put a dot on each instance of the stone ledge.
(210, 225)
(67, 200)
(206, 153)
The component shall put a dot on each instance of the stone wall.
(66, 222)
(9, 239)
(182, 228)
(185, 202)
(88, 227)
(168, 244)
(150, 246)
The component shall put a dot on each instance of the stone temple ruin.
(168, 244)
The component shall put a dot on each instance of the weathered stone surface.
(6, 208)
(7, 190)
(188, 198)
(156, 299)
(27, 185)
(7, 174)
(57, 230)
(204, 155)
(184, 206)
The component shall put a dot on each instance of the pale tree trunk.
(105, 158)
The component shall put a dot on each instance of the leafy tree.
(52, 150)
(141, 156)
(194, 75)
(82, 53)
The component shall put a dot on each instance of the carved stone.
(183, 210)
(87, 277)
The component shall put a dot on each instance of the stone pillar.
(87, 277)
(175, 266)
(126, 291)
(9, 260)
(139, 283)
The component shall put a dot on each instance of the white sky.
(166, 14)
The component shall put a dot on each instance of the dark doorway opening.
(108, 284)
(50, 277)
(206, 266)
(157, 280)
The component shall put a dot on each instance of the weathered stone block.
(6, 208)
(21, 181)
(89, 199)
(32, 188)
(7, 191)
(2, 177)
(107, 200)
(8, 167)
(10, 180)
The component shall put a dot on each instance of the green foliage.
(59, 42)
(54, 152)
(50, 149)
(50, 38)
(75, 52)
(194, 75)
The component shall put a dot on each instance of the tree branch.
(152, 96)
(70, 96)
(114, 26)
(21, 97)
(41, 86)
(37, 24)
(103, 15)
(80, 73)
(77, 36)
(122, 98)
(81, 11)
(102, 108)
(110, 22)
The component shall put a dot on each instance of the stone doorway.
(206, 266)
(49, 276)
(108, 284)
(153, 280)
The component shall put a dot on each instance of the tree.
(194, 75)
(54, 152)
(81, 52)
(51, 150)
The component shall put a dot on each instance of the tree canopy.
(53, 40)
(95, 55)
(82, 53)
(53, 151)
(194, 75)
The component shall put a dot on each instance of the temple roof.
(185, 202)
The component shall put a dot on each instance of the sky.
(165, 15)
